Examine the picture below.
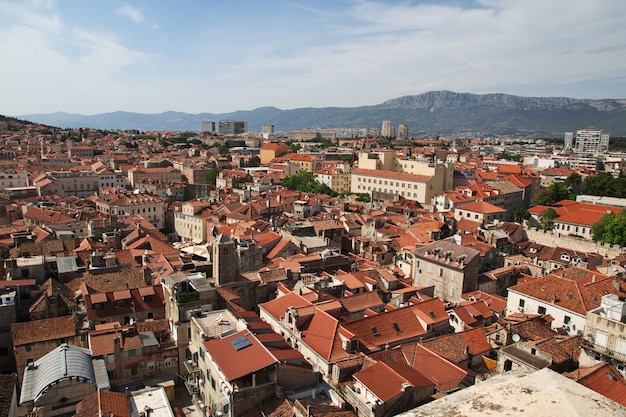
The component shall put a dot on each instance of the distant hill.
(432, 113)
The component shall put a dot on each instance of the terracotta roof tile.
(42, 330)
(239, 354)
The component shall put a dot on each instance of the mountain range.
(431, 113)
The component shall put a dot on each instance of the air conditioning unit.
(521, 309)
(141, 363)
(175, 358)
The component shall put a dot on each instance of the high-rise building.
(403, 131)
(231, 127)
(267, 131)
(208, 127)
(568, 140)
(387, 130)
(591, 142)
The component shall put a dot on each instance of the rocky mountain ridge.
(431, 113)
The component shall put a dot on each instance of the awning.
(193, 348)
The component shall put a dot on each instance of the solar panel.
(240, 342)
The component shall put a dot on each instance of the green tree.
(295, 147)
(615, 232)
(520, 214)
(599, 228)
(306, 181)
(222, 149)
(553, 194)
(211, 176)
(547, 220)
(574, 183)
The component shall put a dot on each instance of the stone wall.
(551, 238)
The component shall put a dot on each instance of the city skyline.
(196, 57)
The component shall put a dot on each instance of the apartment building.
(121, 203)
(394, 184)
(164, 174)
(336, 179)
(605, 334)
(451, 268)
(10, 178)
(306, 162)
(567, 297)
(81, 183)
(273, 150)
(188, 224)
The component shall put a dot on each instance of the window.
(601, 339)
(441, 272)
(541, 310)
(132, 353)
(567, 320)
(522, 302)
(29, 347)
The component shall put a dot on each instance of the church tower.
(225, 260)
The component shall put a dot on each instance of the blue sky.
(198, 56)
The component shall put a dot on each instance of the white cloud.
(132, 13)
(362, 54)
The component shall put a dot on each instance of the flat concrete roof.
(537, 394)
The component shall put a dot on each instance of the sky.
(203, 56)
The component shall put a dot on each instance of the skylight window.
(240, 342)
(375, 331)
(397, 328)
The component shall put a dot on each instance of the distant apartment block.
(403, 131)
(11, 178)
(81, 151)
(590, 141)
(267, 131)
(208, 127)
(387, 130)
(231, 127)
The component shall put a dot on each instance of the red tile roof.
(235, 361)
(576, 295)
(385, 382)
(443, 373)
(602, 378)
(42, 330)
(481, 207)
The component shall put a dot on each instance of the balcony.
(590, 345)
(191, 366)
(192, 387)
(355, 399)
